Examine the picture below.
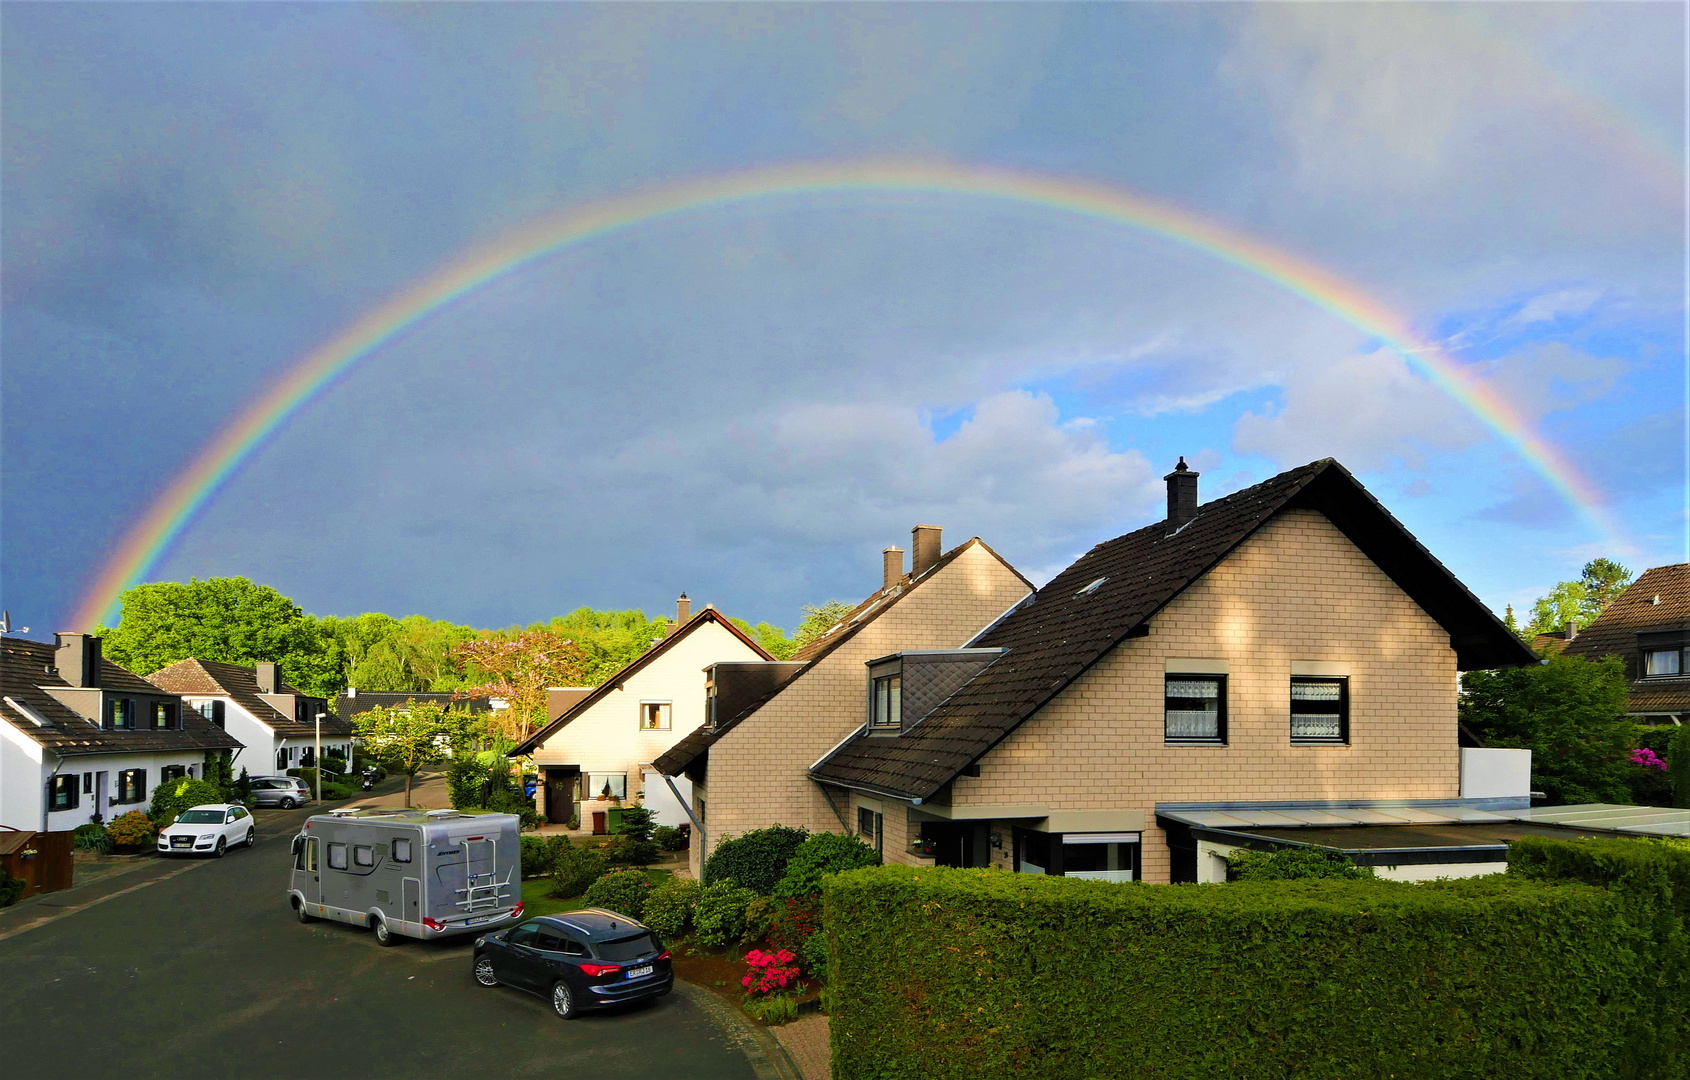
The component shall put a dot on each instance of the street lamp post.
(319, 759)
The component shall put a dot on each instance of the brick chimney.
(268, 682)
(892, 567)
(1182, 494)
(683, 610)
(77, 658)
(924, 549)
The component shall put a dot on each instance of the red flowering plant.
(767, 973)
(1645, 758)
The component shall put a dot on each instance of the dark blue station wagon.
(578, 960)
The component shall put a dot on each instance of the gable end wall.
(1296, 590)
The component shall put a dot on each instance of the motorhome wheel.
(384, 936)
(299, 910)
(484, 972)
(563, 1002)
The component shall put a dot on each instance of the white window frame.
(665, 713)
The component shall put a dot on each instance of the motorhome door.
(306, 875)
(412, 896)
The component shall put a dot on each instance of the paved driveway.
(206, 973)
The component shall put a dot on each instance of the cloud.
(1368, 409)
(1552, 306)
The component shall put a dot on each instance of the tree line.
(238, 621)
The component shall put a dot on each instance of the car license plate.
(639, 972)
(477, 921)
(181, 841)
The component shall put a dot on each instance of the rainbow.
(170, 513)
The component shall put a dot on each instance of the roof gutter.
(911, 799)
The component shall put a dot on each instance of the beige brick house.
(603, 739)
(770, 723)
(1284, 656)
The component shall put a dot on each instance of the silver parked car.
(286, 792)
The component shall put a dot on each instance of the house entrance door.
(560, 794)
(957, 843)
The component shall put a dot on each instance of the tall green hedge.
(969, 973)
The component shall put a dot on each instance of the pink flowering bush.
(768, 973)
(1646, 758)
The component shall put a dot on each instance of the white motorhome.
(409, 873)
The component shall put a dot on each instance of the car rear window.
(631, 948)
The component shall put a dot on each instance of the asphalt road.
(206, 973)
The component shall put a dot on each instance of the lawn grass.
(537, 899)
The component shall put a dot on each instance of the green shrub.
(966, 973)
(574, 868)
(813, 955)
(336, 791)
(757, 860)
(669, 838)
(621, 891)
(134, 829)
(11, 888)
(760, 917)
(1678, 766)
(820, 855)
(1653, 876)
(539, 855)
(668, 910)
(718, 919)
(92, 837)
(1290, 864)
(775, 1009)
(174, 796)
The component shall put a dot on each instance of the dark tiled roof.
(23, 677)
(1614, 633)
(1549, 644)
(708, 615)
(676, 759)
(1069, 625)
(365, 700)
(213, 678)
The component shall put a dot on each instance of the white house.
(605, 738)
(276, 721)
(84, 738)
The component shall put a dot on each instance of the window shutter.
(217, 712)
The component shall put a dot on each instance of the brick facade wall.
(1298, 590)
(758, 771)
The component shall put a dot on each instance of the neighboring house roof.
(213, 678)
(1549, 644)
(706, 617)
(23, 674)
(364, 700)
(1614, 633)
(1112, 592)
(676, 759)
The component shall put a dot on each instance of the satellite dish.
(6, 624)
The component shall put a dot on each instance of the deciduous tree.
(1569, 712)
(407, 738)
(520, 670)
(227, 619)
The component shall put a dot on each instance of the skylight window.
(1093, 587)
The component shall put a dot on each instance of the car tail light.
(595, 970)
(516, 912)
(433, 924)
(664, 955)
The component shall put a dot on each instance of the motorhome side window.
(401, 850)
(337, 856)
(363, 855)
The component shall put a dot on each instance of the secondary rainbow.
(170, 513)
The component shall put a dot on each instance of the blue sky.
(748, 403)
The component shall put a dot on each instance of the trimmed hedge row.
(969, 973)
